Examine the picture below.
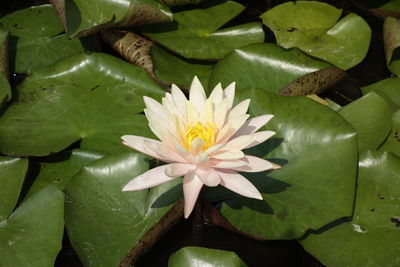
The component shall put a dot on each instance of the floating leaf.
(84, 17)
(60, 168)
(32, 235)
(391, 39)
(374, 232)
(5, 89)
(371, 118)
(198, 256)
(103, 222)
(392, 143)
(388, 88)
(36, 40)
(93, 97)
(12, 175)
(313, 27)
(274, 69)
(195, 34)
(318, 153)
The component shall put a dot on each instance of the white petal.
(239, 184)
(228, 154)
(208, 176)
(191, 189)
(230, 128)
(239, 109)
(164, 152)
(140, 144)
(229, 93)
(148, 179)
(216, 94)
(206, 113)
(154, 106)
(255, 164)
(252, 125)
(240, 142)
(179, 99)
(226, 164)
(179, 169)
(197, 96)
(220, 113)
(259, 138)
(182, 151)
(192, 115)
(196, 146)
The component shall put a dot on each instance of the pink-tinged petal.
(203, 157)
(229, 94)
(239, 109)
(255, 164)
(182, 151)
(179, 99)
(140, 144)
(162, 134)
(259, 138)
(148, 179)
(191, 189)
(230, 128)
(252, 125)
(179, 169)
(220, 112)
(164, 152)
(196, 146)
(216, 94)
(197, 96)
(225, 164)
(227, 155)
(239, 184)
(240, 142)
(208, 176)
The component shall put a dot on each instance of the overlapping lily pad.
(84, 17)
(391, 38)
(32, 235)
(198, 256)
(318, 152)
(196, 33)
(36, 39)
(93, 97)
(371, 118)
(374, 232)
(274, 69)
(12, 174)
(388, 88)
(5, 89)
(103, 222)
(392, 143)
(314, 28)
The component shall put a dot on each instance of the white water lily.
(202, 139)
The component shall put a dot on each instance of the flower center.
(205, 132)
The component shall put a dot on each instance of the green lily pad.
(195, 34)
(32, 235)
(58, 169)
(103, 222)
(12, 175)
(314, 28)
(36, 40)
(391, 39)
(273, 69)
(5, 89)
(183, 71)
(371, 118)
(84, 17)
(198, 256)
(374, 232)
(392, 143)
(318, 152)
(93, 97)
(388, 88)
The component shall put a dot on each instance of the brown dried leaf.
(59, 7)
(391, 40)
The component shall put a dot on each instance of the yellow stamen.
(206, 132)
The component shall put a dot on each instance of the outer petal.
(220, 112)
(252, 125)
(258, 138)
(208, 176)
(216, 94)
(179, 99)
(237, 183)
(191, 189)
(254, 164)
(239, 109)
(140, 144)
(148, 179)
(230, 128)
(240, 142)
(179, 169)
(228, 154)
(229, 93)
(197, 96)
(226, 164)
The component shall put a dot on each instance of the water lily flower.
(201, 139)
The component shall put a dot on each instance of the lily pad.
(32, 235)
(194, 33)
(36, 39)
(95, 98)
(95, 204)
(388, 88)
(374, 231)
(12, 175)
(371, 118)
(391, 39)
(318, 152)
(198, 256)
(314, 28)
(392, 143)
(380, 8)
(84, 17)
(58, 169)
(274, 69)
(5, 89)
